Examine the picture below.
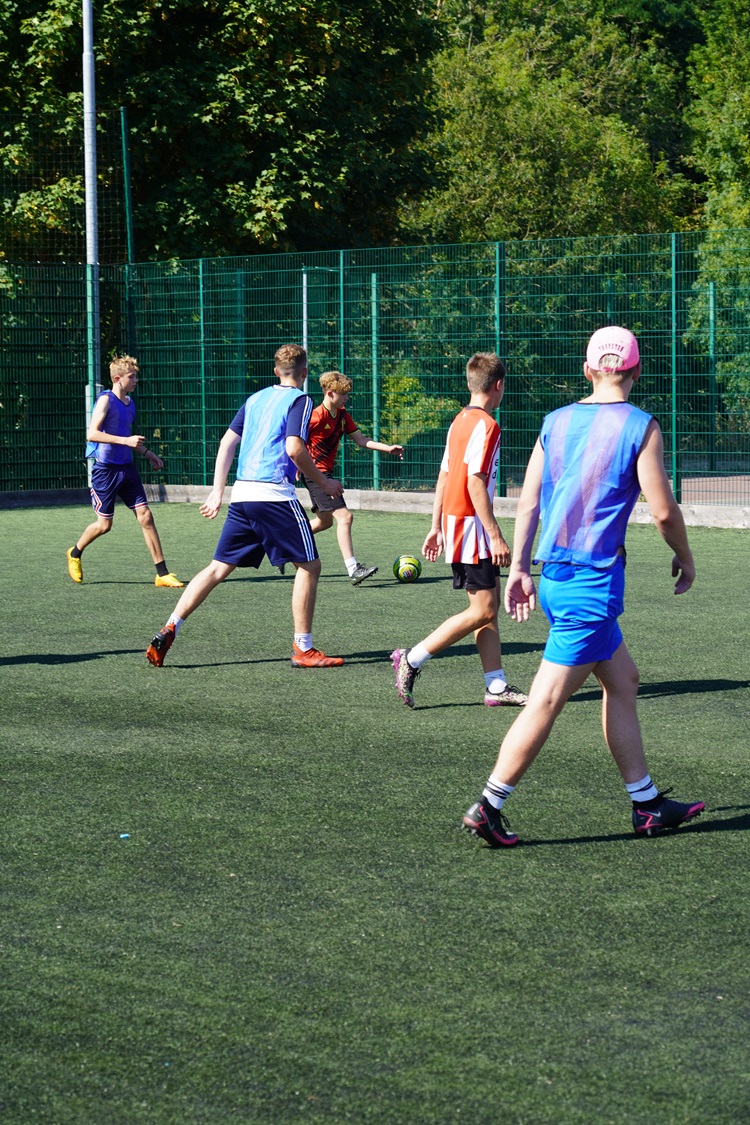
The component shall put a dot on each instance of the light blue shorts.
(582, 605)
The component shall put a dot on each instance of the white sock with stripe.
(643, 790)
(496, 792)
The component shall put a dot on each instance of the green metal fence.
(402, 323)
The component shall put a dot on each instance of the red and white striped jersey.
(472, 446)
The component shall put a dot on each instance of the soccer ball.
(407, 568)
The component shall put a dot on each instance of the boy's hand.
(520, 595)
(432, 548)
(686, 571)
(154, 459)
(333, 488)
(137, 442)
(398, 450)
(500, 550)
(211, 505)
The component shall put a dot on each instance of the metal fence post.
(676, 477)
(502, 484)
(342, 349)
(375, 379)
(202, 349)
(713, 390)
(129, 232)
(304, 317)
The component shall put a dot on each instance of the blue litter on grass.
(124, 835)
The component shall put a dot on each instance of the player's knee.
(345, 517)
(483, 611)
(217, 571)
(144, 517)
(103, 526)
(312, 568)
(632, 681)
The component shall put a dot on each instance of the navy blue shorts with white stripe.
(254, 528)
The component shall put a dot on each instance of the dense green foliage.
(269, 124)
(255, 123)
(555, 120)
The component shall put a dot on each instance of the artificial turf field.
(296, 928)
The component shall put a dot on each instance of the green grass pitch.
(296, 929)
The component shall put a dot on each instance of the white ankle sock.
(496, 681)
(418, 656)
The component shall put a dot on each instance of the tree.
(558, 125)
(720, 112)
(254, 123)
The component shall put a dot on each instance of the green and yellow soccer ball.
(407, 568)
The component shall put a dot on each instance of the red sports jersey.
(326, 433)
(472, 446)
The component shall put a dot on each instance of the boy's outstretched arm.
(520, 591)
(664, 508)
(210, 507)
(368, 443)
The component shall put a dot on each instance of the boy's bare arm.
(300, 455)
(480, 498)
(527, 511)
(433, 545)
(96, 433)
(664, 508)
(520, 591)
(369, 443)
(224, 457)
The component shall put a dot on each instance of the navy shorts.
(254, 528)
(582, 605)
(110, 481)
(321, 501)
(475, 576)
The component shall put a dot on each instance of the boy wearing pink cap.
(590, 464)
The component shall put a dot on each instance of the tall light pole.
(92, 228)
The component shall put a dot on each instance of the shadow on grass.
(378, 657)
(671, 687)
(66, 657)
(738, 823)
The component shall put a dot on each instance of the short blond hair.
(483, 370)
(336, 382)
(290, 358)
(121, 365)
(611, 370)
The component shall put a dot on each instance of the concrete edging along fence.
(696, 515)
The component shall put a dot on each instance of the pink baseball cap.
(612, 341)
